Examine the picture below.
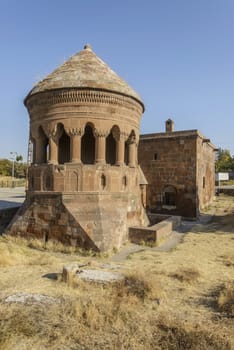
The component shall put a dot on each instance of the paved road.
(226, 187)
(11, 197)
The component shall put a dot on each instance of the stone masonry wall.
(205, 172)
(88, 220)
(170, 160)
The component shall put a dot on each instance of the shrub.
(188, 275)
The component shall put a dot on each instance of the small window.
(47, 182)
(103, 182)
(204, 182)
(170, 198)
(155, 156)
(124, 182)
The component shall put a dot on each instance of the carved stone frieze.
(83, 97)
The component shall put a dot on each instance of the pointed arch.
(111, 147)
(88, 145)
(63, 145)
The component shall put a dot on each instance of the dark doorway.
(170, 196)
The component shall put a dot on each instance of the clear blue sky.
(177, 54)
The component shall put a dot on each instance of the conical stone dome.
(85, 70)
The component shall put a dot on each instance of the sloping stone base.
(87, 220)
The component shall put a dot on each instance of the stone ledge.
(29, 298)
(76, 272)
(155, 233)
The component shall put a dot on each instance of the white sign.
(222, 176)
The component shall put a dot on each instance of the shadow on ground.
(9, 204)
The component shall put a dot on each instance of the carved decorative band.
(123, 135)
(75, 131)
(52, 133)
(101, 133)
(83, 96)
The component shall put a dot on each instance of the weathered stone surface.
(100, 276)
(29, 298)
(75, 272)
(156, 233)
(6, 215)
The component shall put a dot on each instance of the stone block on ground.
(75, 272)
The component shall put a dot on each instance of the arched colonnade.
(87, 145)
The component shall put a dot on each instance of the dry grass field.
(177, 300)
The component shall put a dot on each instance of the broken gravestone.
(29, 298)
(75, 272)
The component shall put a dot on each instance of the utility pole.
(14, 155)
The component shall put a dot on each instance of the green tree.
(224, 162)
(20, 168)
(5, 167)
(19, 158)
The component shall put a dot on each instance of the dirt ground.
(187, 283)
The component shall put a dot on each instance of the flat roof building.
(179, 167)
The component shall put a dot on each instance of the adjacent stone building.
(85, 186)
(179, 167)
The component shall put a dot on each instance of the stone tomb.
(85, 186)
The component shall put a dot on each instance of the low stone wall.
(228, 190)
(155, 233)
(156, 218)
(6, 215)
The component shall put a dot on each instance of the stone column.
(76, 134)
(132, 152)
(53, 147)
(136, 152)
(120, 149)
(38, 151)
(100, 146)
